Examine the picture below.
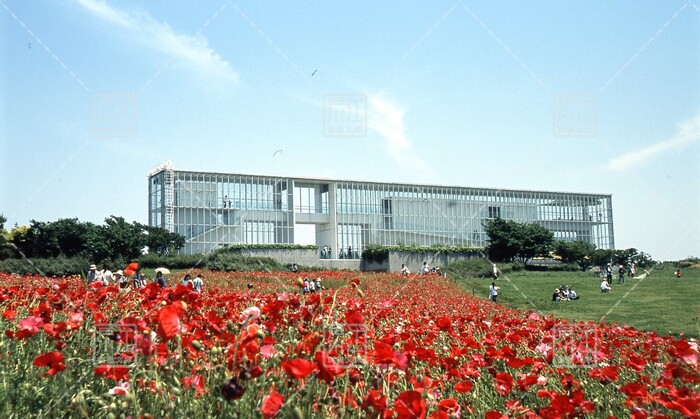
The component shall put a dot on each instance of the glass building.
(214, 210)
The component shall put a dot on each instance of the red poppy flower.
(410, 404)
(114, 372)
(449, 406)
(376, 400)
(328, 369)
(298, 368)
(503, 383)
(169, 320)
(272, 404)
(443, 323)
(31, 324)
(52, 360)
(605, 375)
(463, 387)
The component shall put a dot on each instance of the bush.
(173, 262)
(471, 268)
(57, 266)
(236, 263)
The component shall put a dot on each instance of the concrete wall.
(414, 261)
(310, 257)
(307, 257)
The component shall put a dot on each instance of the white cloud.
(688, 133)
(193, 50)
(387, 118)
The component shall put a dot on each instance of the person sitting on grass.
(556, 296)
(678, 273)
(605, 286)
(571, 294)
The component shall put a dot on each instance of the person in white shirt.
(495, 271)
(426, 268)
(107, 276)
(493, 292)
(197, 283)
(604, 286)
(404, 270)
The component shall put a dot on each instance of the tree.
(510, 240)
(5, 251)
(535, 240)
(578, 252)
(161, 241)
(503, 239)
(123, 240)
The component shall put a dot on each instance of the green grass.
(661, 302)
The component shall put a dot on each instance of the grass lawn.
(661, 302)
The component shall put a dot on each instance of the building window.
(494, 212)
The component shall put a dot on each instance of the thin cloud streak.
(688, 133)
(387, 118)
(193, 50)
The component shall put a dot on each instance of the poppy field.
(367, 345)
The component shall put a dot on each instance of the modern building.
(214, 210)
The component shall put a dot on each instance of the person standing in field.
(92, 274)
(493, 292)
(495, 271)
(160, 280)
(621, 274)
(106, 275)
(197, 283)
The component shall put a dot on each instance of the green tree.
(504, 239)
(535, 240)
(161, 241)
(578, 252)
(5, 250)
(123, 240)
(510, 240)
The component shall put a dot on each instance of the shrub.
(173, 262)
(228, 262)
(471, 268)
(57, 266)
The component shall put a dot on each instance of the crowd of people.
(137, 280)
(311, 286)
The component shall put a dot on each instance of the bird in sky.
(312, 74)
(278, 151)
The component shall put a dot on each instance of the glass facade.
(213, 210)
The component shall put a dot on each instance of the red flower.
(53, 360)
(114, 372)
(31, 325)
(298, 368)
(272, 404)
(503, 383)
(605, 375)
(169, 320)
(376, 400)
(410, 404)
(327, 368)
(444, 323)
(449, 406)
(464, 387)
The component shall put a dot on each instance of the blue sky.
(554, 95)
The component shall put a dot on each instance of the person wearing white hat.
(92, 274)
(121, 279)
